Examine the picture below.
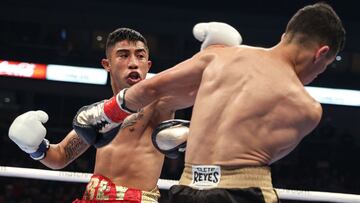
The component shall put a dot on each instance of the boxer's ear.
(106, 64)
(321, 53)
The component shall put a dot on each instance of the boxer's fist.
(28, 132)
(216, 33)
(170, 137)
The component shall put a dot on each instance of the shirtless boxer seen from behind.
(126, 157)
(251, 108)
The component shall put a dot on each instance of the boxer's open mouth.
(133, 77)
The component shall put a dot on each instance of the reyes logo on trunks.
(205, 176)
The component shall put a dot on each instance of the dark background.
(64, 32)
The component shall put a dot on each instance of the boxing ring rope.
(67, 176)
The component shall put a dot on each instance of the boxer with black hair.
(127, 165)
(250, 107)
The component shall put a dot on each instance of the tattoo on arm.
(75, 146)
(131, 120)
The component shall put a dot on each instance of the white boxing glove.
(28, 132)
(170, 137)
(216, 33)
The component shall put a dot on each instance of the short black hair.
(121, 34)
(319, 23)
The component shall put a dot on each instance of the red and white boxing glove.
(99, 123)
(28, 132)
(212, 33)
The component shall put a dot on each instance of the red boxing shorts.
(102, 190)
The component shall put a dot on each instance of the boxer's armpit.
(132, 119)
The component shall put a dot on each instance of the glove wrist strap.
(41, 151)
(123, 102)
(115, 109)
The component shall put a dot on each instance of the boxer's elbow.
(55, 158)
(314, 115)
(316, 112)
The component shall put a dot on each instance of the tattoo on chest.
(74, 147)
(132, 119)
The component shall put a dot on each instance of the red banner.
(22, 69)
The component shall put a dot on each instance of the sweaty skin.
(130, 159)
(251, 107)
(259, 120)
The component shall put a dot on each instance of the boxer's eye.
(141, 56)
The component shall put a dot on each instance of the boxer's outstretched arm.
(176, 87)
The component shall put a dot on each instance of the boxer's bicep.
(180, 84)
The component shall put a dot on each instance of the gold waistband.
(244, 177)
(146, 196)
